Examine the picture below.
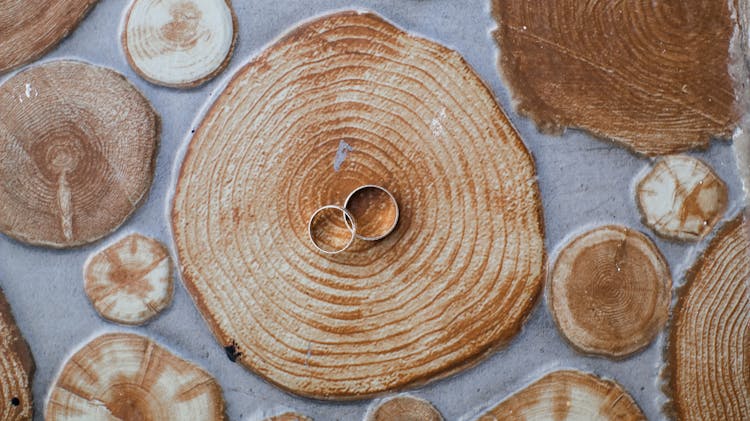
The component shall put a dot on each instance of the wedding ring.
(332, 229)
(375, 209)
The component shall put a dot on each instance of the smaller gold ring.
(351, 226)
(390, 223)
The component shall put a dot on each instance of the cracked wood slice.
(179, 43)
(122, 376)
(650, 76)
(404, 408)
(681, 198)
(708, 354)
(609, 291)
(130, 281)
(16, 369)
(31, 28)
(568, 395)
(344, 101)
(77, 150)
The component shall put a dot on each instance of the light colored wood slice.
(122, 376)
(289, 416)
(651, 76)
(340, 102)
(404, 408)
(130, 281)
(708, 355)
(16, 369)
(609, 291)
(77, 151)
(179, 43)
(568, 395)
(31, 28)
(681, 198)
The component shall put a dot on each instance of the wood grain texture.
(651, 76)
(31, 28)
(179, 43)
(450, 285)
(289, 416)
(122, 376)
(78, 147)
(609, 291)
(708, 354)
(568, 395)
(404, 408)
(681, 198)
(130, 281)
(16, 369)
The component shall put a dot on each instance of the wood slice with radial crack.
(77, 152)
(651, 76)
(609, 291)
(179, 43)
(31, 28)
(340, 102)
(16, 369)
(404, 408)
(122, 376)
(130, 281)
(681, 198)
(708, 354)
(568, 395)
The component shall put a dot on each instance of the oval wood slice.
(122, 376)
(708, 355)
(289, 416)
(568, 395)
(179, 43)
(650, 76)
(404, 408)
(77, 151)
(344, 101)
(16, 369)
(31, 28)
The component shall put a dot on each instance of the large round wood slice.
(652, 76)
(30, 28)
(568, 395)
(16, 369)
(708, 356)
(122, 376)
(344, 101)
(77, 152)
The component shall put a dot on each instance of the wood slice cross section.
(451, 284)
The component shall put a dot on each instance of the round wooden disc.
(77, 152)
(404, 408)
(341, 102)
(708, 356)
(30, 28)
(609, 291)
(16, 369)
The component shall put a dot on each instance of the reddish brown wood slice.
(452, 283)
(77, 151)
(651, 76)
(16, 369)
(30, 28)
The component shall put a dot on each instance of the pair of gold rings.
(369, 213)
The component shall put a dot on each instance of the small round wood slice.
(179, 43)
(77, 151)
(130, 281)
(31, 28)
(16, 369)
(708, 355)
(122, 376)
(345, 101)
(652, 76)
(609, 291)
(568, 395)
(289, 416)
(681, 198)
(404, 408)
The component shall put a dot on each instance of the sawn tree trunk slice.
(708, 356)
(651, 76)
(77, 152)
(30, 28)
(340, 102)
(16, 369)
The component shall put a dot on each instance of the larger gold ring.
(375, 209)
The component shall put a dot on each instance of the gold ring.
(335, 239)
(376, 210)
